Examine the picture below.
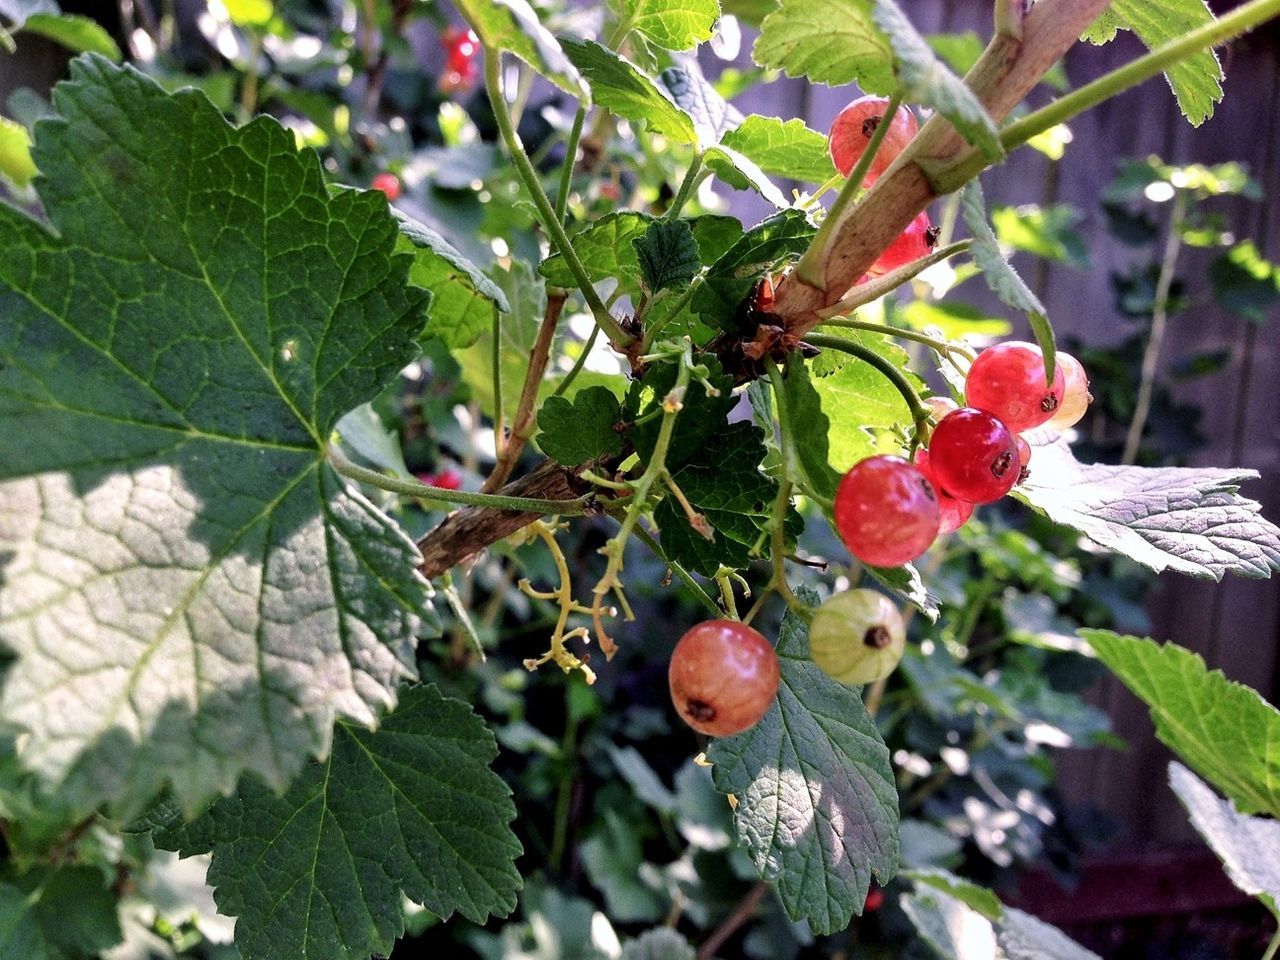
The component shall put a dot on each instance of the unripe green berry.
(857, 637)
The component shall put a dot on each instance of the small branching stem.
(648, 539)
(876, 288)
(613, 550)
(1159, 323)
(570, 161)
(557, 652)
(550, 220)
(690, 182)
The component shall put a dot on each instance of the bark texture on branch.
(466, 532)
(1002, 78)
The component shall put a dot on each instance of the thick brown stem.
(741, 914)
(522, 423)
(470, 530)
(1002, 78)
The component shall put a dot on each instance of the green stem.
(876, 288)
(652, 331)
(1008, 18)
(890, 372)
(564, 796)
(812, 266)
(412, 488)
(1238, 21)
(550, 221)
(464, 619)
(645, 537)
(249, 90)
(778, 520)
(579, 363)
(687, 186)
(499, 431)
(848, 323)
(1159, 323)
(570, 161)
(1272, 947)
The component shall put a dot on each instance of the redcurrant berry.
(857, 637)
(1024, 459)
(856, 124)
(875, 900)
(953, 514)
(723, 677)
(1075, 396)
(973, 456)
(1007, 381)
(911, 244)
(461, 48)
(886, 511)
(388, 183)
(447, 479)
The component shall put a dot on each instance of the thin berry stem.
(648, 539)
(687, 186)
(812, 266)
(1273, 946)
(570, 161)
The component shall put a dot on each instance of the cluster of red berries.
(889, 511)
(460, 49)
(850, 134)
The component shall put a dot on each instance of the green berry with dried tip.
(857, 637)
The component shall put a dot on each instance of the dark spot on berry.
(1001, 464)
(877, 637)
(1049, 402)
(1023, 474)
(700, 710)
(869, 125)
(928, 490)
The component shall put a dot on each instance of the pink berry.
(1024, 459)
(389, 184)
(853, 129)
(1075, 396)
(886, 511)
(723, 677)
(1007, 381)
(973, 456)
(953, 514)
(913, 243)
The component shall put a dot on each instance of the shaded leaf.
(174, 361)
(742, 173)
(1224, 730)
(575, 431)
(74, 32)
(817, 806)
(667, 255)
(661, 943)
(410, 810)
(809, 428)
(764, 248)
(60, 913)
(1245, 282)
(1192, 520)
(712, 115)
(967, 892)
(513, 26)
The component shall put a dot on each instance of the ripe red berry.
(856, 124)
(911, 244)
(1024, 459)
(389, 184)
(953, 514)
(723, 677)
(886, 511)
(1007, 381)
(460, 47)
(448, 479)
(973, 456)
(875, 900)
(1075, 396)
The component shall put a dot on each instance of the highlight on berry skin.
(856, 124)
(723, 677)
(886, 511)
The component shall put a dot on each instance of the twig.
(522, 424)
(741, 914)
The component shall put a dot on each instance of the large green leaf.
(1196, 80)
(513, 26)
(606, 251)
(673, 24)
(817, 805)
(809, 429)
(1224, 730)
(1249, 847)
(829, 41)
(462, 297)
(785, 149)
(1192, 520)
(77, 33)
(575, 431)
(768, 245)
(667, 255)
(620, 86)
(189, 589)
(409, 810)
